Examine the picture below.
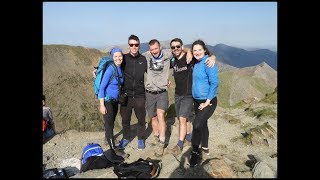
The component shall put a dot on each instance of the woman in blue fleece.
(108, 96)
(205, 84)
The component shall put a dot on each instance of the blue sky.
(99, 24)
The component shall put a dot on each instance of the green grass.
(271, 98)
(261, 112)
(223, 94)
(231, 119)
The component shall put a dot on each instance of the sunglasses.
(136, 45)
(173, 47)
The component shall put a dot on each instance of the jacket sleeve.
(104, 82)
(212, 73)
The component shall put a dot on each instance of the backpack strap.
(115, 72)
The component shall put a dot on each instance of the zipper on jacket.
(134, 79)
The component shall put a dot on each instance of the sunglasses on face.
(136, 45)
(173, 47)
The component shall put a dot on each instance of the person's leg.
(176, 150)
(185, 114)
(182, 120)
(205, 129)
(126, 112)
(109, 124)
(162, 124)
(139, 110)
(152, 113)
(201, 118)
(162, 107)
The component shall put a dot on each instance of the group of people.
(196, 78)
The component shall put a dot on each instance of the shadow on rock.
(202, 170)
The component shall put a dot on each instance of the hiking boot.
(140, 144)
(176, 150)
(113, 157)
(195, 158)
(205, 151)
(123, 143)
(159, 149)
(187, 143)
(121, 153)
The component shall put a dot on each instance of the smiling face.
(176, 48)
(117, 58)
(155, 49)
(198, 51)
(134, 46)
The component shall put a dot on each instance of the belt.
(156, 92)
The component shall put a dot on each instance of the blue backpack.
(92, 149)
(103, 65)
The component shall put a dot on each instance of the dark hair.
(44, 97)
(153, 41)
(201, 43)
(134, 37)
(176, 39)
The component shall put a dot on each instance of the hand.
(211, 61)
(94, 73)
(203, 105)
(103, 109)
(189, 57)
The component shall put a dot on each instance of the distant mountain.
(233, 56)
(240, 58)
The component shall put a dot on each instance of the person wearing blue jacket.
(205, 84)
(108, 96)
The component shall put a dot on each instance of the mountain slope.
(243, 83)
(67, 84)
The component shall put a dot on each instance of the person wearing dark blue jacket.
(205, 84)
(108, 96)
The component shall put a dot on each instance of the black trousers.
(200, 132)
(138, 104)
(109, 118)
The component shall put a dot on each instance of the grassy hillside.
(250, 82)
(67, 84)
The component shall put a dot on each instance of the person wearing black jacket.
(134, 66)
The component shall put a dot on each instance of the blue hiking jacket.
(205, 80)
(110, 90)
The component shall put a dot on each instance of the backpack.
(137, 169)
(93, 157)
(102, 67)
(54, 173)
(92, 149)
(44, 125)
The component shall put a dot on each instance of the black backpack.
(54, 173)
(105, 160)
(138, 169)
(95, 162)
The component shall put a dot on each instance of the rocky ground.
(234, 134)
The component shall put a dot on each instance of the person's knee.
(160, 113)
(183, 121)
